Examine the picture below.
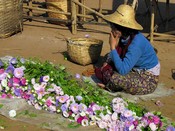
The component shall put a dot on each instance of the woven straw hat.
(124, 16)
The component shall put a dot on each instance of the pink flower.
(18, 72)
(79, 120)
(136, 123)
(23, 81)
(16, 81)
(156, 120)
(3, 95)
(48, 102)
(63, 99)
(74, 107)
(127, 113)
(3, 76)
(52, 108)
(41, 92)
(82, 107)
(2, 71)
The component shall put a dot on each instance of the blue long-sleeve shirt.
(140, 55)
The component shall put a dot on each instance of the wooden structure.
(160, 36)
(80, 4)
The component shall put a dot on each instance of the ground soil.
(46, 42)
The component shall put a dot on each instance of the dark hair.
(125, 31)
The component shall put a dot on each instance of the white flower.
(4, 83)
(82, 113)
(0, 87)
(102, 124)
(65, 114)
(114, 116)
(58, 111)
(131, 127)
(92, 123)
(153, 127)
(33, 81)
(73, 115)
(12, 113)
(46, 78)
(84, 122)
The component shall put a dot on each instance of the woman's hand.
(114, 39)
(104, 64)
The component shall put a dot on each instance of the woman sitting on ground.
(132, 64)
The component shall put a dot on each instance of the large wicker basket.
(58, 5)
(10, 17)
(84, 50)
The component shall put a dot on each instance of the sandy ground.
(45, 41)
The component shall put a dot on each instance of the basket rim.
(74, 41)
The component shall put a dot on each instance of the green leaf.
(73, 125)
(1, 105)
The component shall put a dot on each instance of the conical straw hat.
(124, 16)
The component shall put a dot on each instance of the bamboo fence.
(77, 5)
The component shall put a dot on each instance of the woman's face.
(116, 32)
(121, 32)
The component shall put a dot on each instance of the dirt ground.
(46, 42)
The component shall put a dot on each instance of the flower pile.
(52, 92)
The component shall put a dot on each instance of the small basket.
(10, 17)
(84, 51)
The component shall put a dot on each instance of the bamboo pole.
(97, 13)
(83, 11)
(100, 10)
(167, 14)
(54, 11)
(46, 10)
(30, 13)
(73, 18)
(134, 4)
(164, 35)
(152, 21)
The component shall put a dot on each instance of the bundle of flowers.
(51, 88)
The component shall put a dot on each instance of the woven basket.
(84, 50)
(10, 17)
(57, 5)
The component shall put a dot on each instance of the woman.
(132, 64)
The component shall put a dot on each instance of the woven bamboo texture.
(84, 51)
(58, 5)
(10, 17)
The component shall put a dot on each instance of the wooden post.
(30, 13)
(100, 10)
(167, 14)
(83, 11)
(74, 17)
(152, 21)
(125, 1)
